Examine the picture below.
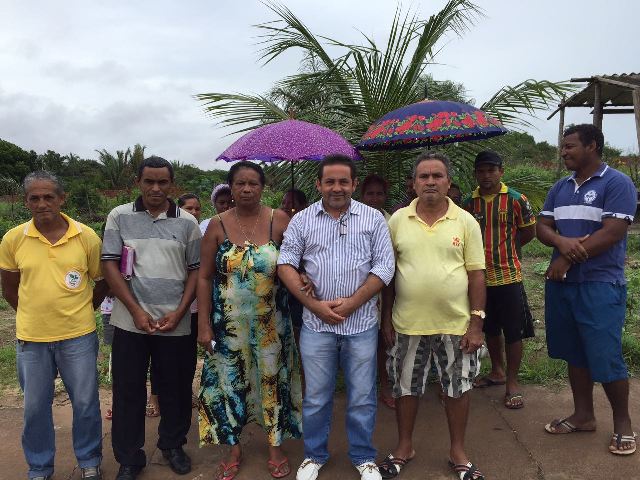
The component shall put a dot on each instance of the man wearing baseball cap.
(507, 223)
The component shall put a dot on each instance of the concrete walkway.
(506, 444)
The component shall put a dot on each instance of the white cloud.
(79, 76)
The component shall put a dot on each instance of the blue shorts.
(584, 326)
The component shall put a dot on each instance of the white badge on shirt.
(73, 279)
(590, 196)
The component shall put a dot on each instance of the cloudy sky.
(82, 75)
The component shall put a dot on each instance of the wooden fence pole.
(597, 105)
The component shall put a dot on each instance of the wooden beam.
(636, 107)
(581, 80)
(597, 105)
(617, 82)
(560, 137)
(553, 113)
(606, 111)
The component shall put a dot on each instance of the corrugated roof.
(616, 93)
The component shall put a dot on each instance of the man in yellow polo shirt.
(47, 266)
(434, 309)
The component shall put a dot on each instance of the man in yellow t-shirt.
(434, 309)
(47, 266)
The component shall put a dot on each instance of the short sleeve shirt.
(500, 217)
(432, 262)
(166, 247)
(578, 210)
(55, 293)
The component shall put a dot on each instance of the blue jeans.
(38, 364)
(322, 354)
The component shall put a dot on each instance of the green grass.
(537, 367)
(8, 375)
(536, 249)
(631, 352)
(4, 305)
(103, 354)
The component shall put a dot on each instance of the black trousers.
(174, 363)
(194, 336)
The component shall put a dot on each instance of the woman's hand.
(205, 336)
(307, 286)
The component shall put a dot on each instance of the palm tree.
(349, 92)
(136, 158)
(117, 169)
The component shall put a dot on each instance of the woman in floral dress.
(252, 373)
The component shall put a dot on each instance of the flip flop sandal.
(279, 470)
(565, 425)
(151, 410)
(484, 382)
(227, 471)
(620, 439)
(466, 472)
(388, 401)
(390, 467)
(510, 401)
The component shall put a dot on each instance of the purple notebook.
(126, 262)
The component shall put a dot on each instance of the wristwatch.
(479, 313)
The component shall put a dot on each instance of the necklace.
(247, 238)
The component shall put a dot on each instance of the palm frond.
(294, 34)
(512, 105)
(240, 109)
(457, 16)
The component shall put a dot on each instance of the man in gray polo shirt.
(151, 317)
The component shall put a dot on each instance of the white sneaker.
(308, 470)
(369, 471)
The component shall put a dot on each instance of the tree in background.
(15, 162)
(116, 168)
(93, 187)
(349, 91)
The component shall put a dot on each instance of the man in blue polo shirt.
(585, 218)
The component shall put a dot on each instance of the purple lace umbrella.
(430, 122)
(291, 141)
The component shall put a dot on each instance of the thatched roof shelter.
(606, 95)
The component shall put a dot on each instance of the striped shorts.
(410, 360)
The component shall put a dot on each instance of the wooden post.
(560, 137)
(636, 112)
(597, 105)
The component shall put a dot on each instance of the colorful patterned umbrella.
(430, 122)
(290, 140)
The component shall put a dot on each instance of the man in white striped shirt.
(345, 249)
